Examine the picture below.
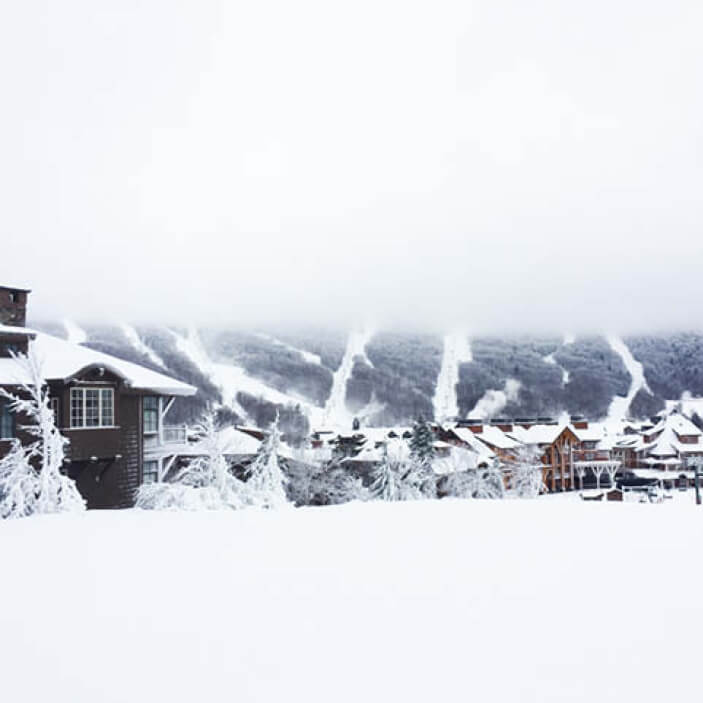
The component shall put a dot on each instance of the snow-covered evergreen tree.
(334, 485)
(526, 479)
(422, 442)
(482, 482)
(397, 477)
(266, 481)
(49, 491)
(206, 483)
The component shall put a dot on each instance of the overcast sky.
(495, 164)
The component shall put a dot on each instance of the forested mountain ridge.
(317, 377)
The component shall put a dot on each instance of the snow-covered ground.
(428, 601)
(620, 405)
(457, 350)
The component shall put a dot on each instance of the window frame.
(150, 473)
(99, 411)
(7, 416)
(147, 412)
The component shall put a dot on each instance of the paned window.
(151, 414)
(92, 407)
(150, 473)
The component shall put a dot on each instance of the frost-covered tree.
(335, 485)
(205, 483)
(19, 484)
(526, 479)
(397, 477)
(485, 482)
(266, 481)
(31, 480)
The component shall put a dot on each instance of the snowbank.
(446, 601)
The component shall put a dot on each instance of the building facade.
(113, 412)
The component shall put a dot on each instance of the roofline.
(186, 391)
(19, 288)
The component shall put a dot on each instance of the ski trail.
(457, 350)
(620, 405)
(307, 356)
(232, 379)
(136, 341)
(493, 401)
(335, 410)
(192, 348)
(76, 335)
(549, 359)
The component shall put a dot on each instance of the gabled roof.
(539, 434)
(682, 425)
(61, 360)
(479, 444)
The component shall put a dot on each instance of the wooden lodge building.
(567, 451)
(112, 411)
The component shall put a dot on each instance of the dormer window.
(92, 407)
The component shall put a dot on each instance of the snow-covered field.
(425, 601)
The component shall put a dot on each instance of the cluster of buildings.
(572, 452)
(115, 414)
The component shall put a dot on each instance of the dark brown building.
(112, 411)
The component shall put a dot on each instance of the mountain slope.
(314, 378)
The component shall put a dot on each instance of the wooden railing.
(175, 434)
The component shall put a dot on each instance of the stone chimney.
(13, 306)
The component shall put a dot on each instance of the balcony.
(175, 434)
(170, 435)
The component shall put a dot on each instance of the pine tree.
(396, 478)
(422, 442)
(266, 480)
(422, 455)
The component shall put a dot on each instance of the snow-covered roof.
(537, 434)
(459, 460)
(682, 425)
(473, 441)
(61, 360)
(14, 329)
(235, 442)
(593, 433)
(11, 286)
